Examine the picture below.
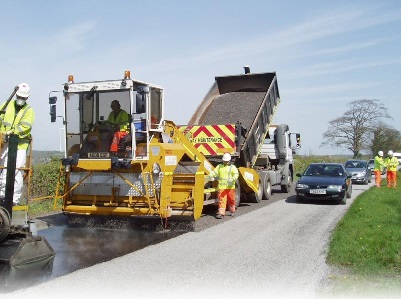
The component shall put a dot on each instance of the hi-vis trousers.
(391, 178)
(226, 196)
(378, 178)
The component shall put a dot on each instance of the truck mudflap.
(249, 180)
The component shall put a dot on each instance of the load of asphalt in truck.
(232, 107)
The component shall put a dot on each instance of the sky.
(325, 54)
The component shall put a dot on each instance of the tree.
(385, 138)
(353, 130)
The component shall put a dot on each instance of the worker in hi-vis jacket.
(227, 174)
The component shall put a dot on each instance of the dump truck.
(236, 116)
(156, 172)
(21, 250)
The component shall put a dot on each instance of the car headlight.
(301, 186)
(334, 187)
(361, 174)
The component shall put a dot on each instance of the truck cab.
(279, 144)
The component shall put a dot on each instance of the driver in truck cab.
(120, 119)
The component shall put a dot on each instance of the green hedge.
(44, 178)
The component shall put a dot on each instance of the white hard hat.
(24, 90)
(380, 153)
(390, 153)
(226, 157)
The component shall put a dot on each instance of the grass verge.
(43, 206)
(366, 244)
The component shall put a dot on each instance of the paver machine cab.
(21, 250)
(155, 172)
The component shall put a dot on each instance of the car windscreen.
(355, 164)
(324, 170)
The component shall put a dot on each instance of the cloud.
(324, 26)
(325, 90)
(65, 42)
(345, 48)
(341, 67)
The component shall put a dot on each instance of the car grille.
(318, 186)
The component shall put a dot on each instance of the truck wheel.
(237, 194)
(4, 224)
(267, 189)
(257, 196)
(286, 187)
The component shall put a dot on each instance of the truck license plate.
(317, 191)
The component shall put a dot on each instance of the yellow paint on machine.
(250, 179)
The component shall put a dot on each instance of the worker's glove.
(9, 132)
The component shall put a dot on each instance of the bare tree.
(353, 129)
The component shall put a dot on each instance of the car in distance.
(359, 171)
(324, 181)
(371, 166)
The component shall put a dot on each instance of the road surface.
(276, 250)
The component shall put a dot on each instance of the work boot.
(232, 214)
(219, 216)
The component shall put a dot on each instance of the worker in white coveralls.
(227, 174)
(17, 119)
